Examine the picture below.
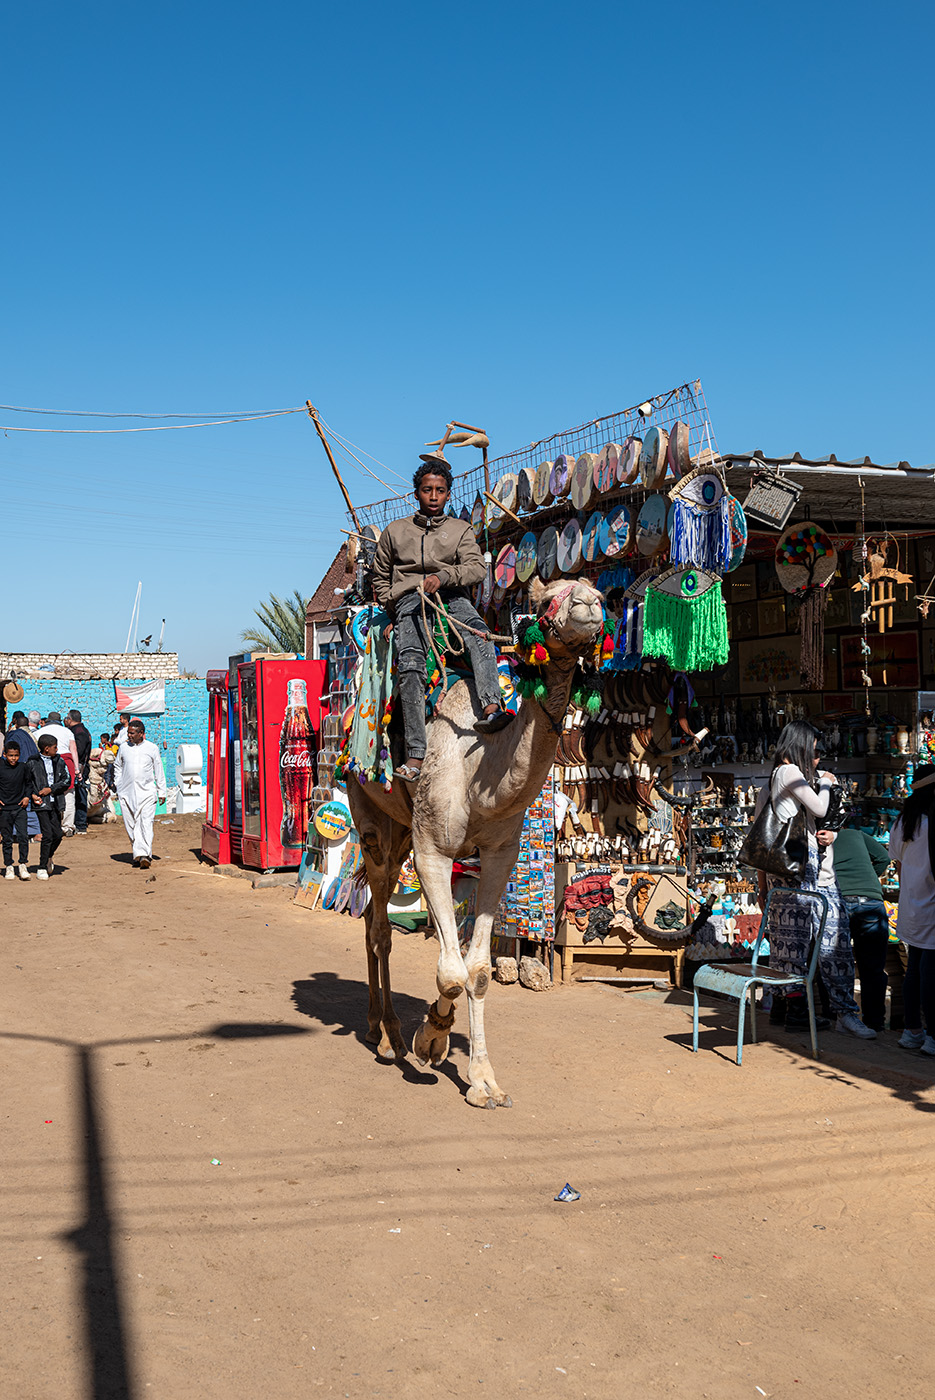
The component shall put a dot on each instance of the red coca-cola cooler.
(215, 832)
(271, 759)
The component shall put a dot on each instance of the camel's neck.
(533, 739)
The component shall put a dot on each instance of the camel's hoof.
(430, 1044)
(479, 1098)
(505, 1102)
(373, 1036)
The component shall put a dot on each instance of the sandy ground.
(211, 1188)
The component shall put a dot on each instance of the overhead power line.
(162, 427)
(226, 414)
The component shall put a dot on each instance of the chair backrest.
(823, 911)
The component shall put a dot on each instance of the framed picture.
(771, 616)
(770, 663)
(743, 621)
(928, 654)
(767, 579)
(838, 609)
(925, 562)
(743, 584)
(893, 660)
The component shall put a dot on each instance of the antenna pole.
(133, 615)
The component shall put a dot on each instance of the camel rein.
(455, 631)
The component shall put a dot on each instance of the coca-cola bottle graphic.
(296, 766)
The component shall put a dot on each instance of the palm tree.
(283, 625)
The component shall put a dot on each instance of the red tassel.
(540, 655)
(608, 647)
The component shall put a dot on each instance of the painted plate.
(653, 457)
(591, 538)
(541, 488)
(505, 567)
(805, 557)
(651, 526)
(738, 533)
(477, 514)
(547, 554)
(525, 479)
(504, 493)
(615, 532)
(569, 548)
(331, 894)
(677, 454)
(526, 557)
(360, 898)
(560, 479)
(343, 898)
(582, 481)
(333, 821)
(605, 468)
(365, 619)
(628, 463)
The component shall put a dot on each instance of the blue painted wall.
(184, 722)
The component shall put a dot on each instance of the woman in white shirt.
(793, 920)
(912, 846)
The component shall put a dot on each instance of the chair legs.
(695, 1024)
(741, 1021)
(812, 1028)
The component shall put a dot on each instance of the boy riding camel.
(439, 554)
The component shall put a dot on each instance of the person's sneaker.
(9, 873)
(912, 1040)
(42, 874)
(24, 872)
(849, 1024)
(928, 1045)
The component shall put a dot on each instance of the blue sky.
(518, 215)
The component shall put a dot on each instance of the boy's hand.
(432, 584)
(387, 631)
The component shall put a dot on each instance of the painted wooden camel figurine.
(473, 792)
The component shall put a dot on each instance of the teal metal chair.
(740, 980)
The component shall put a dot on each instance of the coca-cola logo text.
(296, 760)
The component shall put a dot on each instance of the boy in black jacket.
(15, 791)
(50, 782)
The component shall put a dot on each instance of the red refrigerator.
(273, 721)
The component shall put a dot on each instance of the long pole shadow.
(107, 1339)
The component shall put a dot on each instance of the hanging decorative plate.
(628, 463)
(525, 478)
(331, 894)
(541, 488)
(582, 481)
(477, 514)
(651, 526)
(569, 548)
(344, 894)
(365, 619)
(560, 479)
(499, 593)
(371, 534)
(677, 455)
(738, 533)
(526, 557)
(653, 456)
(504, 493)
(505, 567)
(615, 531)
(547, 554)
(605, 468)
(333, 821)
(805, 557)
(591, 538)
(465, 515)
(360, 898)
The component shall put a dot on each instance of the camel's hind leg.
(384, 844)
(484, 1091)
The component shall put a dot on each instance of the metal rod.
(313, 414)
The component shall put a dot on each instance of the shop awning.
(895, 494)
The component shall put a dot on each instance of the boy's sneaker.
(912, 1040)
(928, 1045)
(24, 872)
(9, 873)
(42, 874)
(849, 1024)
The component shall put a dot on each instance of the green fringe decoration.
(689, 633)
(530, 683)
(587, 690)
(529, 634)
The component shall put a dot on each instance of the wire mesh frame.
(685, 404)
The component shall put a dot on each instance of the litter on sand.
(167, 821)
(568, 1193)
(215, 1161)
(397, 1231)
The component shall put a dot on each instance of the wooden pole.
(313, 414)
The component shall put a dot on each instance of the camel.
(473, 792)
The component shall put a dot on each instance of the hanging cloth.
(685, 620)
(700, 525)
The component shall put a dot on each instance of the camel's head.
(571, 613)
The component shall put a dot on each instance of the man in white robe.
(140, 781)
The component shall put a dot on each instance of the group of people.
(47, 771)
(844, 866)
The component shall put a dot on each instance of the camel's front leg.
(431, 1039)
(484, 1091)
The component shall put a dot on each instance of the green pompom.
(593, 703)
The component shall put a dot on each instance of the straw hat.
(13, 692)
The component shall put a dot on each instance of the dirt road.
(212, 1189)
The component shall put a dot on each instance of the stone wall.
(116, 665)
